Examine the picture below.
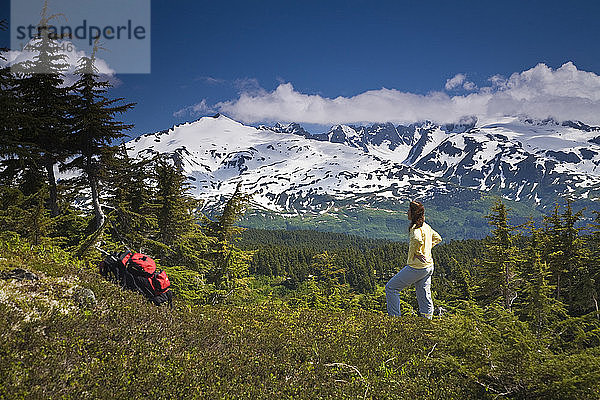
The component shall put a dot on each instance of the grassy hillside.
(57, 343)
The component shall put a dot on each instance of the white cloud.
(286, 104)
(248, 86)
(497, 80)
(469, 86)
(211, 80)
(456, 81)
(196, 109)
(563, 93)
(564, 82)
(460, 80)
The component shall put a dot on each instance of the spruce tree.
(179, 238)
(7, 100)
(328, 273)
(500, 264)
(553, 253)
(130, 185)
(224, 228)
(465, 281)
(45, 103)
(173, 202)
(565, 251)
(229, 262)
(8, 121)
(95, 127)
(25, 215)
(16, 166)
(537, 305)
(590, 274)
(575, 250)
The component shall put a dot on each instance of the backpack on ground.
(138, 272)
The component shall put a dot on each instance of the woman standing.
(419, 266)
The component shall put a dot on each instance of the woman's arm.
(435, 238)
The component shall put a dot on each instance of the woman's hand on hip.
(421, 258)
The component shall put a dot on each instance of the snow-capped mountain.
(286, 168)
(283, 171)
(517, 157)
(520, 159)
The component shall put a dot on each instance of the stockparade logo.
(83, 32)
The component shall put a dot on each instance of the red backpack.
(142, 265)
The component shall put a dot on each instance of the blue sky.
(211, 53)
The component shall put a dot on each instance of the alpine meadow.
(195, 232)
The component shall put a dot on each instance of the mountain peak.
(581, 126)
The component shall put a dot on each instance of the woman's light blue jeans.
(407, 276)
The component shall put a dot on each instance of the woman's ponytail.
(417, 214)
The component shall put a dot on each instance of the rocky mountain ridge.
(287, 169)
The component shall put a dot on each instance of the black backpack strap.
(166, 297)
(124, 254)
